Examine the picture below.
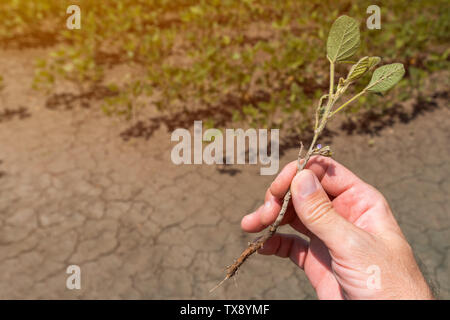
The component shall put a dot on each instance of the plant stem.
(347, 103)
(358, 95)
(258, 243)
(318, 110)
(331, 80)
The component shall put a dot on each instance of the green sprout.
(343, 42)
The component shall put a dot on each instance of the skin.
(356, 249)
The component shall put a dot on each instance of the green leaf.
(386, 77)
(343, 39)
(358, 69)
(373, 61)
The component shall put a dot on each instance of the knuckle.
(359, 243)
(276, 188)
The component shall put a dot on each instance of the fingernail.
(267, 205)
(306, 183)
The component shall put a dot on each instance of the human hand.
(356, 249)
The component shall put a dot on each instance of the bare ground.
(73, 192)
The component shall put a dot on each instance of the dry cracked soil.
(73, 192)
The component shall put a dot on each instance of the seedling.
(343, 42)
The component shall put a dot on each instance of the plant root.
(251, 249)
(258, 243)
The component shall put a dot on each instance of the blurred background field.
(256, 63)
(86, 117)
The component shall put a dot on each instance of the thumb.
(314, 209)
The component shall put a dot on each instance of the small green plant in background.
(258, 62)
(343, 42)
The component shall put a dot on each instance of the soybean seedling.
(343, 42)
